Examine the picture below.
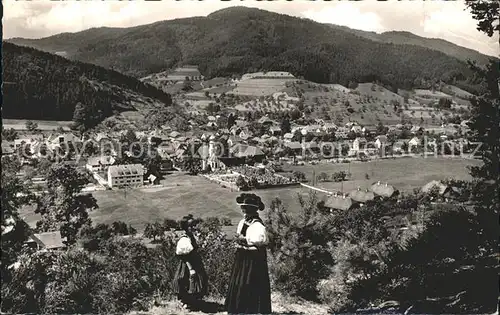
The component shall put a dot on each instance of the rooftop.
(126, 169)
(49, 240)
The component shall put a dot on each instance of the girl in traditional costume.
(190, 280)
(249, 286)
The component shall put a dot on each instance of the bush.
(322, 177)
(299, 247)
(299, 176)
(117, 277)
(241, 183)
(339, 176)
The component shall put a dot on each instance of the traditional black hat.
(250, 200)
(186, 221)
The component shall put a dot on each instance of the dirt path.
(280, 305)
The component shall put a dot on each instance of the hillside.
(407, 38)
(39, 85)
(238, 40)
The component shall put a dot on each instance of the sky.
(448, 20)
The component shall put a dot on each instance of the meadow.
(260, 87)
(45, 125)
(182, 194)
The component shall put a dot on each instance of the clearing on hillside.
(260, 87)
(44, 125)
(378, 92)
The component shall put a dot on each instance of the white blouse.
(184, 246)
(256, 234)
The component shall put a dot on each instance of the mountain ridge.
(237, 40)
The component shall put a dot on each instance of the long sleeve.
(184, 246)
(256, 234)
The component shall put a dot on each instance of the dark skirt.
(186, 286)
(249, 288)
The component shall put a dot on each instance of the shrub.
(339, 176)
(241, 183)
(121, 275)
(322, 177)
(299, 176)
(298, 246)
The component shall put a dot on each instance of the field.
(378, 92)
(266, 105)
(260, 87)
(403, 173)
(367, 106)
(458, 92)
(184, 194)
(46, 125)
(431, 94)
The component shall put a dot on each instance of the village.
(250, 159)
(239, 152)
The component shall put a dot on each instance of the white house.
(99, 164)
(357, 129)
(275, 130)
(414, 142)
(359, 144)
(55, 141)
(288, 137)
(381, 142)
(128, 175)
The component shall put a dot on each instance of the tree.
(486, 13)
(191, 165)
(81, 115)
(456, 254)
(187, 85)
(381, 129)
(31, 125)
(14, 230)
(121, 228)
(155, 230)
(444, 103)
(64, 207)
(485, 125)
(322, 177)
(404, 147)
(299, 176)
(231, 120)
(298, 246)
(352, 85)
(213, 108)
(241, 183)
(285, 125)
(169, 224)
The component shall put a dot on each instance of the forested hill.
(407, 38)
(40, 85)
(238, 40)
